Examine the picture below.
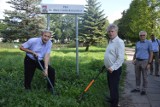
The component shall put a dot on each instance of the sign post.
(48, 22)
(77, 60)
(64, 9)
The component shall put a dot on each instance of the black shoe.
(157, 75)
(143, 93)
(135, 90)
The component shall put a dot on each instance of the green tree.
(24, 21)
(135, 19)
(154, 6)
(3, 26)
(140, 16)
(63, 26)
(93, 24)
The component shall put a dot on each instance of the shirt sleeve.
(120, 56)
(158, 42)
(27, 44)
(150, 47)
(49, 48)
(136, 49)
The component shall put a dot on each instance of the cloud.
(114, 16)
(4, 6)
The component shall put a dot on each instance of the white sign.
(62, 8)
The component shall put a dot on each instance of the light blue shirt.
(36, 45)
(143, 49)
(155, 45)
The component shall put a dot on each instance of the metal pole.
(77, 61)
(48, 22)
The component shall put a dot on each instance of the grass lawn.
(69, 85)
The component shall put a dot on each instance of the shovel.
(90, 84)
(45, 76)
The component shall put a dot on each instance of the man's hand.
(148, 66)
(45, 73)
(35, 55)
(102, 69)
(134, 61)
(110, 70)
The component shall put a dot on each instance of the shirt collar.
(153, 40)
(143, 41)
(115, 39)
(42, 41)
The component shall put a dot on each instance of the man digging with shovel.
(37, 56)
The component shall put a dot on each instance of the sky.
(112, 8)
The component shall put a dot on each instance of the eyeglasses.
(142, 35)
(111, 31)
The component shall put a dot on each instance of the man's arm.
(150, 53)
(28, 51)
(134, 56)
(150, 57)
(46, 62)
(120, 53)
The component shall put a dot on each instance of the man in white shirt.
(113, 60)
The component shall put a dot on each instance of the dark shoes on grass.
(108, 99)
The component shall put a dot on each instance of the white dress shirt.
(114, 55)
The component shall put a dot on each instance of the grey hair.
(46, 31)
(143, 32)
(112, 26)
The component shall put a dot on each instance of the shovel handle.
(89, 85)
(45, 76)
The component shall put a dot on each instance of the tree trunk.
(87, 47)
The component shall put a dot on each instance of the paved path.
(152, 99)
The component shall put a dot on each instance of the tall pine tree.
(24, 20)
(92, 28)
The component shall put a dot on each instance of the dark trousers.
(113, 83)
(29, 69)
(156, 63)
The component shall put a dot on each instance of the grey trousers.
(156, 63)
(141, 68)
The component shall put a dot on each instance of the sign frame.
(62, 9)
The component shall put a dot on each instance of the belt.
(30, 58)
(140, 59)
